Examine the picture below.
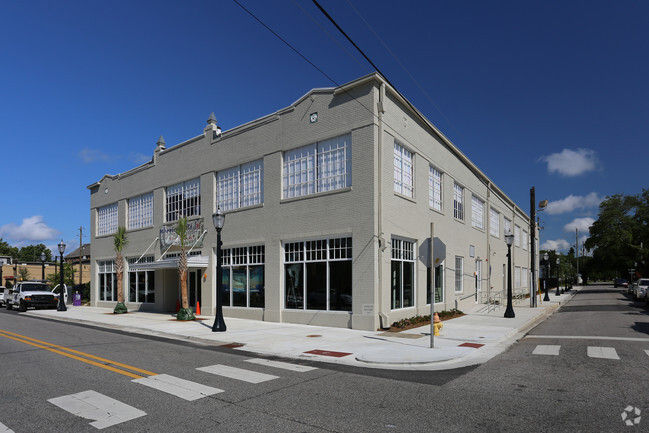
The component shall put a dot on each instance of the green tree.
(7, 250)
(120, 241)
(32, 253)
(23, 273)
(611, 235)
(68, 276)
(181, 230)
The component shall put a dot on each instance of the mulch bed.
(417, 325)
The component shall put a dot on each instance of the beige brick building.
(329, 204)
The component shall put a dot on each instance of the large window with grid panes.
(318, 274)
(107, 220)
(140, 282)
(243, 276)
(107, 280)
(517, 235)
(458, 201)
(403, 171)
(477, 212)
(402, 280)
(140, 211)
(183, 200)
(459, 274)
(438, 281)
(494, 222)
(240, 186)
(507, 226)
(434, 188)
(318, 167)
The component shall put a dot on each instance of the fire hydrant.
(437, 324)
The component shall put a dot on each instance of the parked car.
(620, 282)
(2, 294)
(640, 289)
(30, 294)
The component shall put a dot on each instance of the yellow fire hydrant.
(437, 324)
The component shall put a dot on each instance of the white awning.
(172, 263)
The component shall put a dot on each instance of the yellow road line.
(60, 350)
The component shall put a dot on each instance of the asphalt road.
(547, 381)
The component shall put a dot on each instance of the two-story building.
(330, 205)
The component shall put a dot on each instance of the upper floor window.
(240, 186)
(403, 177)
(458, 202)
(477, 212)
(435, 189)
(183, 200)
(494, 222)
(140, 211)
(319, 167)
(107, 220)
(517, 236)
(524, 240)
(507, 225)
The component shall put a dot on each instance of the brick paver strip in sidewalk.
(328, 353)
(474, 345)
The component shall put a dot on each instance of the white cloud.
(91, 155)
(31, 229)
(573, 202)
(581, 224)
(555, 245)
(570, 162)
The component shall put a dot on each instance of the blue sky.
(550, 94)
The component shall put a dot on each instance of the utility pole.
(577, 252)
(80, 252)
(533, 245)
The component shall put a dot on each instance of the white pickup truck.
(28, 294)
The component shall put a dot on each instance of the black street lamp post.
(558, 284)
(43, 263)
(546, 258)
(509, 312)
(219, 324)
(61, 306)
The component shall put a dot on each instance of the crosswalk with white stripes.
(591, 351)
(105, 411)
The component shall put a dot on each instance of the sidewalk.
(468, 340)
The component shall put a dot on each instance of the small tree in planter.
(120, 242)
(185, 313)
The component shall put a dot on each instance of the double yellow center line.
(79, 356)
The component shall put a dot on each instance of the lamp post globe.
(557, 272)
(509, 239)
(219, 324)
(61, 306)
(43, 265)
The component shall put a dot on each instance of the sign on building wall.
(168, 236)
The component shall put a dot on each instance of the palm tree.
(181, 230)
(120, 241)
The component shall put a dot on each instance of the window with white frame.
(524, 240)
(438, 281)
(494, 222)
(458, 202)
(240, 186)
(140, 211)
(459, 272)
(107, 280)
(183, 200)
(477, 212)
(435, 188)
(140, 283)
(107, 220)
(318, 274)
(403, 171)
(517, 277)
(319, 167)
(507, 226)
(403, 274)
(524, 277)
(243, 276)
(517, 236)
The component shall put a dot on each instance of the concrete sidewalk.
(468, 340)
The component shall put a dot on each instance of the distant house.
(80, 255)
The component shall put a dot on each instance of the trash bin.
(76, 300)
